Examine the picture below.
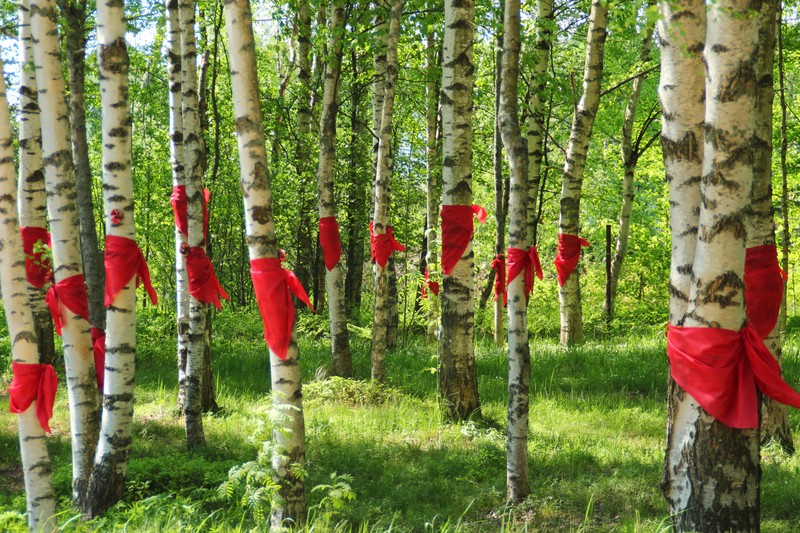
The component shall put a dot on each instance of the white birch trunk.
(458, 380)
(383, 177)
(107, 485)
(36, 468)
(569, 294)
(287, 396)
(519, 357)
(433, 189)
(62, 213)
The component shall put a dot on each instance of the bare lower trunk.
(500, 185)
(433, 191)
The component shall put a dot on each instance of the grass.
(596, 442)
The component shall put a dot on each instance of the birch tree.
(289, 434)
(334, 273)
(67, 265)
(519, 358)
(36, 466)
(31, 197)
(458, 382)
(569, 293)
(433, 190)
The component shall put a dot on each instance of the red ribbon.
(763, 288)
(569, 252)
(428, 284)
(527, 260)
(33, 382)
(330, 242)
(99, 352)
(499, 266)
(457, 232)
(383, 245)
(274, 286)
(124, 260)
(720, 369)
(38, 270)
(180, 206)
(71, 293)
(203, 282)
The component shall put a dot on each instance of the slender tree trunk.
(569, 294)
(500, 186)
(519, 358)
(334, 278)
(458, 382)
(287, 396)
(786, 235)
(31, 197)
(36, 467)
(630, 157)
(62, 213)
(383, 177)
(433, 191)
(712, 472)
(107, 485)
(193, 166)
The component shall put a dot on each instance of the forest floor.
(382, 459)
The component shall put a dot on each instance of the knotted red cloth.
(203, 282)
(330, 242)
(274, 286)
(457, 232)
(180, 206)
(569, 252)
(71, 293)
(527, 260)
(721, 368)
(38, 270)
(428, 284)
(383, 245)
(499, 266)
(99, 351)
(124, 260)
(33, 382)
(763, 288)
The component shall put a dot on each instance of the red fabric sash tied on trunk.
(71, 293)
(38, 270)
(330, 242)
(763, 288)
(383, 245)
(428, 284)
(569, 252)
(720, 369)
(527, 260)
(203, 283)
(274, 286)
(457, 231)
(180, 206)
(99, 351)
(33, 382)
(124, 260)
(499, 266)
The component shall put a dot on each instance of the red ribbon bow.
(71, 293)
(457, 232)
(428, 284)
(274, 286)
(763, 288)
(569, 252)
(330, 242)
(33, 382)
(203, 282)
(527, 260)
(124, 260)
(99, 352)
(180, 206)
(38, 270)
(720, 369)
(383, 245)
(499, 266)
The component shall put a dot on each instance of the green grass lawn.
(597, 421)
